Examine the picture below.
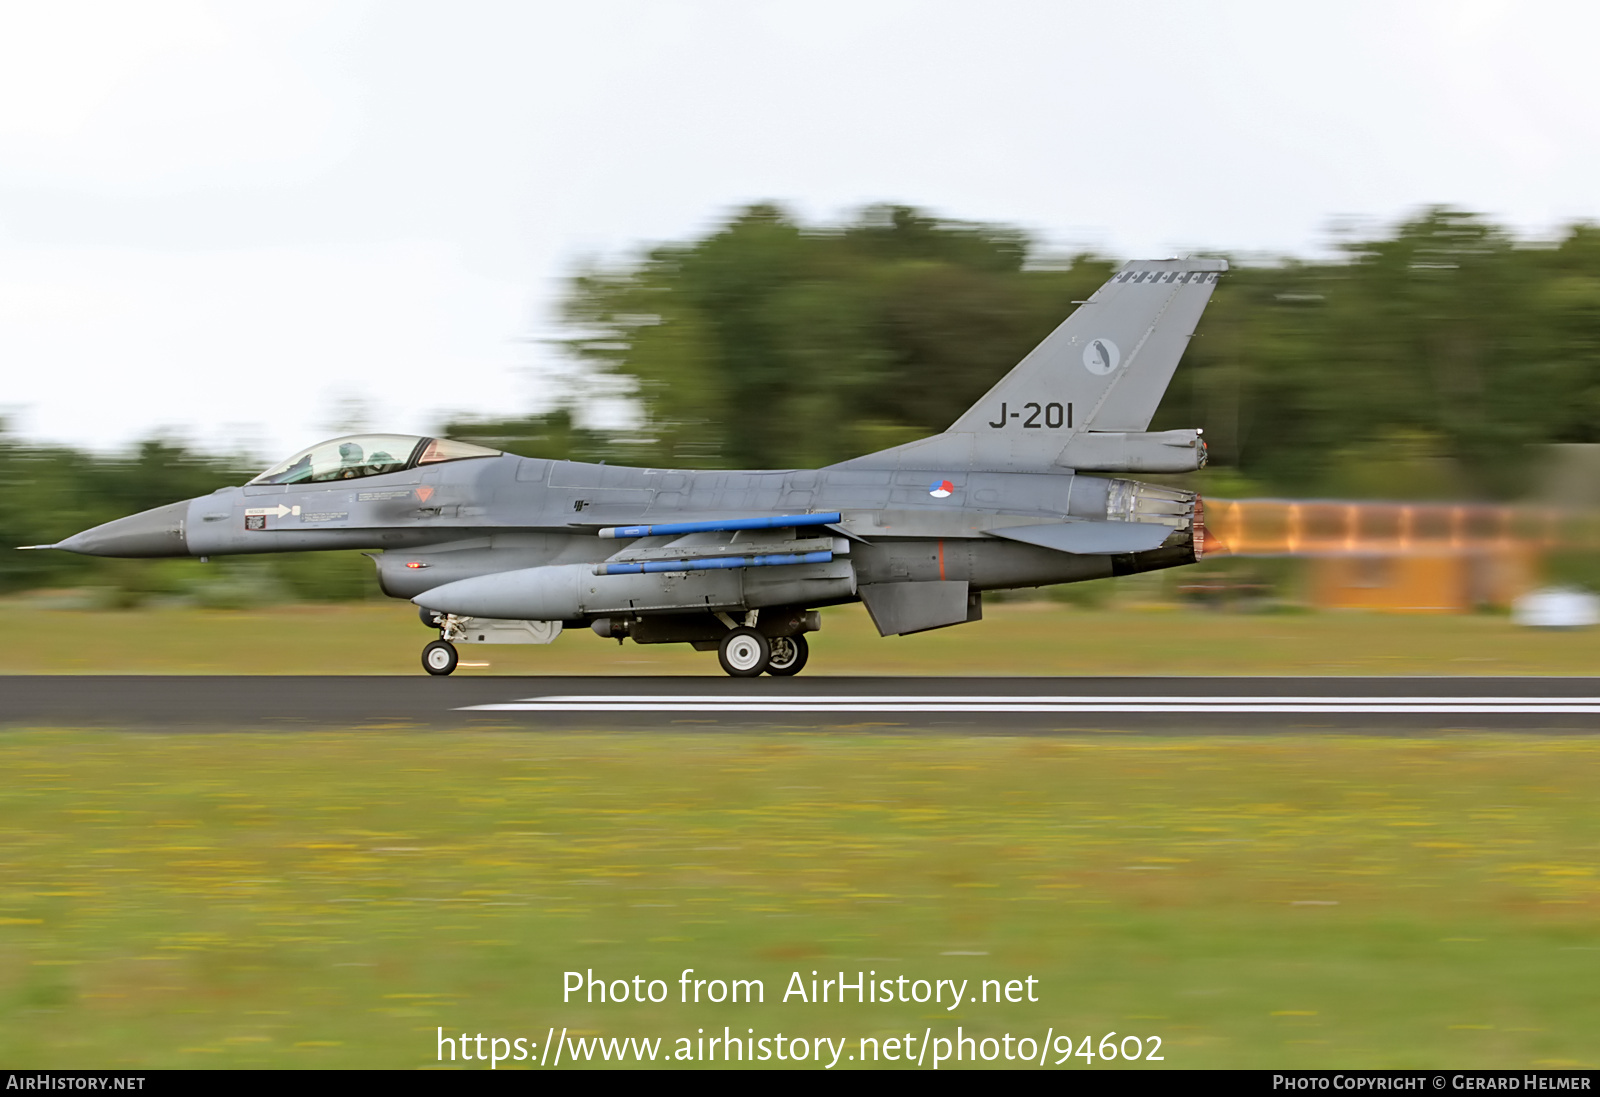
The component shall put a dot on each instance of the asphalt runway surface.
(1213, 705)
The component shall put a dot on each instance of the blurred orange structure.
(1400, 557)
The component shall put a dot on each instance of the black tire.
(744, 652)
(440, 657)
(789, 655)
(430, 617)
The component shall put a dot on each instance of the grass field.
(1014, 638)
(332, 899)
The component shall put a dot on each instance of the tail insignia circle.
(941, 489)
(1101, 356)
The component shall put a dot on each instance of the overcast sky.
(227, 220)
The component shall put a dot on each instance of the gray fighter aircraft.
(497, 548)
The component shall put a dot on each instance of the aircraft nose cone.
(157, 532)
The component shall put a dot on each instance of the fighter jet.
(500, 549)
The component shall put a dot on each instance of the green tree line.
(1426, 361)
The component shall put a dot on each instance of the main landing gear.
(789, 654)
(746, 653)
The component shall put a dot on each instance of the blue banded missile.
(721, 525)
(708, 563)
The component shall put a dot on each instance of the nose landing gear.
(440, 657)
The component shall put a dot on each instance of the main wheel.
(789, 654)
(744, 652)
(440, 657)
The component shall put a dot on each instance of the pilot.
(350, 458)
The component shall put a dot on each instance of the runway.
(957, 705)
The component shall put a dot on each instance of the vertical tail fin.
(1104, 369)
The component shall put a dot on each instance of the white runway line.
(1510, 706)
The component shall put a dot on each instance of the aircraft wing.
(1089, 538)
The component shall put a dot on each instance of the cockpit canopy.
(358, 455)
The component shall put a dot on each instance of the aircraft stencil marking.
(740, 561)
(1055, 416)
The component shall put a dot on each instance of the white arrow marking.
(276, 512)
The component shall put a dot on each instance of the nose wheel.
(440, 657)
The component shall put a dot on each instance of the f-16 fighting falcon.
(500, 549)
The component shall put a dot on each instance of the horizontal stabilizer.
(1090, 538)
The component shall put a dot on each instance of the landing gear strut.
(440, 657)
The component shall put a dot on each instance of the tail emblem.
(1101, 356)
